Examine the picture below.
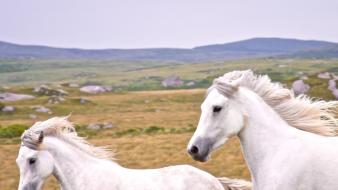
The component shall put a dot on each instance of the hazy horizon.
(163, 24)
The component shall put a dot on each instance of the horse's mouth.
(201, 158)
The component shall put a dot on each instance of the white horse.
(286, 141)
(53, 147)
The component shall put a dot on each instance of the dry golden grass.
(166, 109)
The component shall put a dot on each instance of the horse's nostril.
(194, 150)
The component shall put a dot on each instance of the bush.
(153, 129)
(12, 131)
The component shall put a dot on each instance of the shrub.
(12, 131)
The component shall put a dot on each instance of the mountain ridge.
(250, 48)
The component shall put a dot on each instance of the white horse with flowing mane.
(287, 141)
(53, 147)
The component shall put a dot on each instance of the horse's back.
(181, 177)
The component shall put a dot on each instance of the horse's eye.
(31, 161)
(217, 109)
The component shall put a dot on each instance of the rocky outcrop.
(299, 87)
(48, 91)
(11, 97)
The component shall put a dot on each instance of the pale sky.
(163, 23)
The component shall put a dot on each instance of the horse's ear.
(41, 136)
(32, 139)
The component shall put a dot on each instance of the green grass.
(134, 76)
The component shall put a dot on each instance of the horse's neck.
(74, 167)
(263, 133)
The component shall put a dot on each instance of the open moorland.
(149, 125)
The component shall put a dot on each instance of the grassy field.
(152, 127)
(128, 76)
(172, 115)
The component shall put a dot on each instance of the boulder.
(48, 91)
(94, 89)
(11, 97)
(325, 75)
(42, 109)
(299, 87)
(172, 81)
(8, 109)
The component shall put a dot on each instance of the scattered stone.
(282, 66)
(172, 81)
(191, 83)
(42, 109)
(33, 116)
(8, 109)
(56, 99)
(84, 100)
(299, 87)
(325, 75)
(94, 126)
(11, 97)
(146, 101)
(304, 77)
(94, 89)
(108, 125)
(48, 91)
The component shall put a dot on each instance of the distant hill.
(251, 48)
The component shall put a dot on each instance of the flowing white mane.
(302, 112)
(63, 129)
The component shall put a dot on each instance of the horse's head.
(35, 164)
(221, 118)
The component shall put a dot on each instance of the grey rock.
(299, 87)
(94, 89)
(94, 126)
(8, 109)
(325, 75)
(56, 99)
(42, 109)
(108, 125)
(11, 97)
(48, 91)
